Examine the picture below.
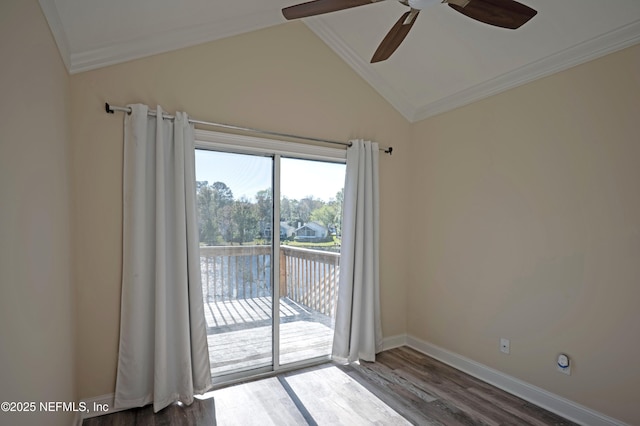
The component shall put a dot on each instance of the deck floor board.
(239, 334)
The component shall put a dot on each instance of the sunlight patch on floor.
(322, 395)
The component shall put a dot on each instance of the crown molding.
(588, 50)
(363, 69)
(55, 24)
(167, 41)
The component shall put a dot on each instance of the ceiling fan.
(500, 13)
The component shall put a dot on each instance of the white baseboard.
(538, 396)
(394, 342)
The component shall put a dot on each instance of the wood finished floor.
(402, 387)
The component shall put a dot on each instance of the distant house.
(286, 231)
(312, 231)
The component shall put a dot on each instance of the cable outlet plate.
(563, 364)
(505, 345)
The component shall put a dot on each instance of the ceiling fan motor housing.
(421, 4)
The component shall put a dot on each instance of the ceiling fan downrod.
(423, 4)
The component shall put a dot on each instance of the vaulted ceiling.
(447, 60)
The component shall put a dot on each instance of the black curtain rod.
(112, 109)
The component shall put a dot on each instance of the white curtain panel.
(358, 331)
(163, 355)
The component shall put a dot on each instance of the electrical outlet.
(563, 364)
(505, 345)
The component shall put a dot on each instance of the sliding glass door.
(235, 223)
(269, 231)
(310, 228)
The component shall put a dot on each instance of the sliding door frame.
(275, 263)
(276, 149)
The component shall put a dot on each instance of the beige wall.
(281, 79)
(526, 214)
(37, 347)
(524, 208)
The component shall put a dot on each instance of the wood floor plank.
(333, 398)
(406, 403)
(261, 403)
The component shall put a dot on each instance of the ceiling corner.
(362, 68)
(57, 29)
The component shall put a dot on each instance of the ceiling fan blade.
(500, 13)
(318, 7)
(395, 36)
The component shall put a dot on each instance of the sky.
(248, 174)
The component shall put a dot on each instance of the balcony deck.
(239, 333)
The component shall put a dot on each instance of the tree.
(245, 223)
(302, 209)
(206, 227)
(212, 206)
(223, 195)
(326, 215)
(340, 197)
(339, 205)
(285, 209)
(330, 214)
(264, 208)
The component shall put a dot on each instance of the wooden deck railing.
(235, 272)
(308, 277)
